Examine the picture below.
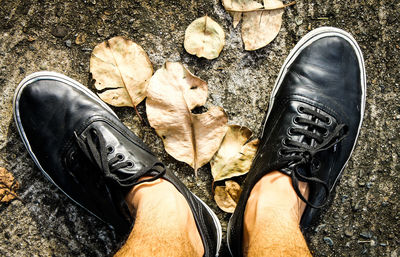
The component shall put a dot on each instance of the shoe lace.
(301, 155)
(94, 146)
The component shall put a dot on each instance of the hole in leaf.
(198, 110)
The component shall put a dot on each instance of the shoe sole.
(49, 75)
(216, 222)
(308, 39)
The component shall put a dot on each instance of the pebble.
(100, 32)
(364, 251)
(68, 43)
(80, 39)
(356, 207)
(59, 31)
(298, 20)
(320, 227)
(366, 234)
(31, 38)
(328, 241)
(348, 232)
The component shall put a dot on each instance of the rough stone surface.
(46, 223)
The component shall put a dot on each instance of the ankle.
(275, 191)
(162, 199)
(159, 190)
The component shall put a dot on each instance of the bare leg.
(271, 218)
(164, 224)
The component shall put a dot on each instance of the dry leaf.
(259, 28)
(122, 70)
(204, 38)
(8, 186)
(236, 7)
(192, 138)
(235, 156)
(227, 196)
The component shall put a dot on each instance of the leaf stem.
(262, 9)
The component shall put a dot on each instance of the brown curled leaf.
(8, 186)
(227, 196)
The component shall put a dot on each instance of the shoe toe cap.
(48, 111)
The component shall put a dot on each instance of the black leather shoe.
(81, 146)
(314, 118)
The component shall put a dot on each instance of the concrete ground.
(38, 35)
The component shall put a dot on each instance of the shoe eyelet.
(290, 131)
(120, 156)
(329, 121)
(130, 164)
(326, 133)
(285, 142)
(280, 154)
(296, 120)
(110, 149)
(300, 109)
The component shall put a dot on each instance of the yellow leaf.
(235, 156)
(8, 186)
(227, 196)
(204, 38)
(122, 70)
(191, 138)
